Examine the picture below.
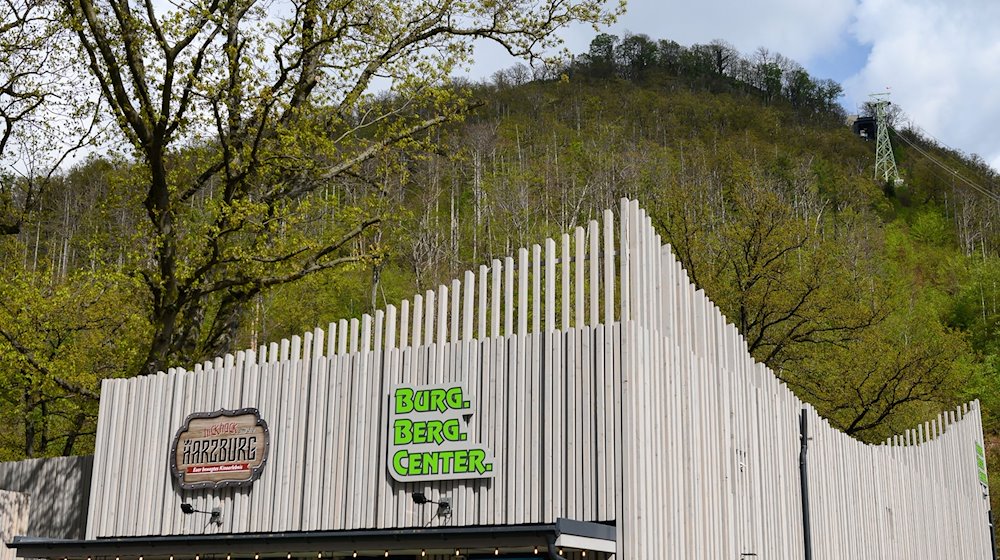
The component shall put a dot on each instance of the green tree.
(277, 97)
(39, 126)
(57, 342)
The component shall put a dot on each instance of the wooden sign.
(219, 449)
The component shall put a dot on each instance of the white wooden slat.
(609, 267)
(533, 459)
(353, 468)
(566, 302)
(495, 295)
(342, 336)
(404, 324)
(442, 315)
(536, 287)
(481, 308)
(354, 335)
(550, 285)
(341, 375)
(442, 336)
(467, 305)
(557, 402)
(587, 439)
(378, 422)
(455, 311)
(300, 380)
(570, 404)
(372, 435)
(508, 297)
(594, 286)
(313, 451)
(418, 319)
(579, 298)
(430, 308)
(490, 407)
(522, 292)
(390, 328)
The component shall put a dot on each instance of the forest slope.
(876, 303)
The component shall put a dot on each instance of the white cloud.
(941, 60)
(799, 29)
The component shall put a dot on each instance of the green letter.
(404, 400)
(397, 462)
(401, 432)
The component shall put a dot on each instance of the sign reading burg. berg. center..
(219, 449)
(429, 438)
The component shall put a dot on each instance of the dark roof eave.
(288, 543)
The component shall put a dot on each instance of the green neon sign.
(981, 463)
(428, 435)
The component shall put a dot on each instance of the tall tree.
(278, 95)
(34, 102)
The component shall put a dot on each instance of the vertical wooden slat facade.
(608, 388)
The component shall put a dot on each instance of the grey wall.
(59, 491)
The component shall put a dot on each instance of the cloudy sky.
(941, 58)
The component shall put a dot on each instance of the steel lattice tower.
(885, 162)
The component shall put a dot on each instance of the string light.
(387, 554)
(289, 556)
(255, 557)
(355, 554)
(320, 556)
(423, 552)
(536, 550)
(457, 552)
(496, 552)
(584, 553)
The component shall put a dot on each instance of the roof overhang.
(565, 532)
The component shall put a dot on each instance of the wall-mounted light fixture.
(444, 506)
(216, 513)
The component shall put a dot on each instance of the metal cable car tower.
(885, 162)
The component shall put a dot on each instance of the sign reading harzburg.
(427, 437)
(221, 448)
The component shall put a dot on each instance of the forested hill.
(879, 304)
